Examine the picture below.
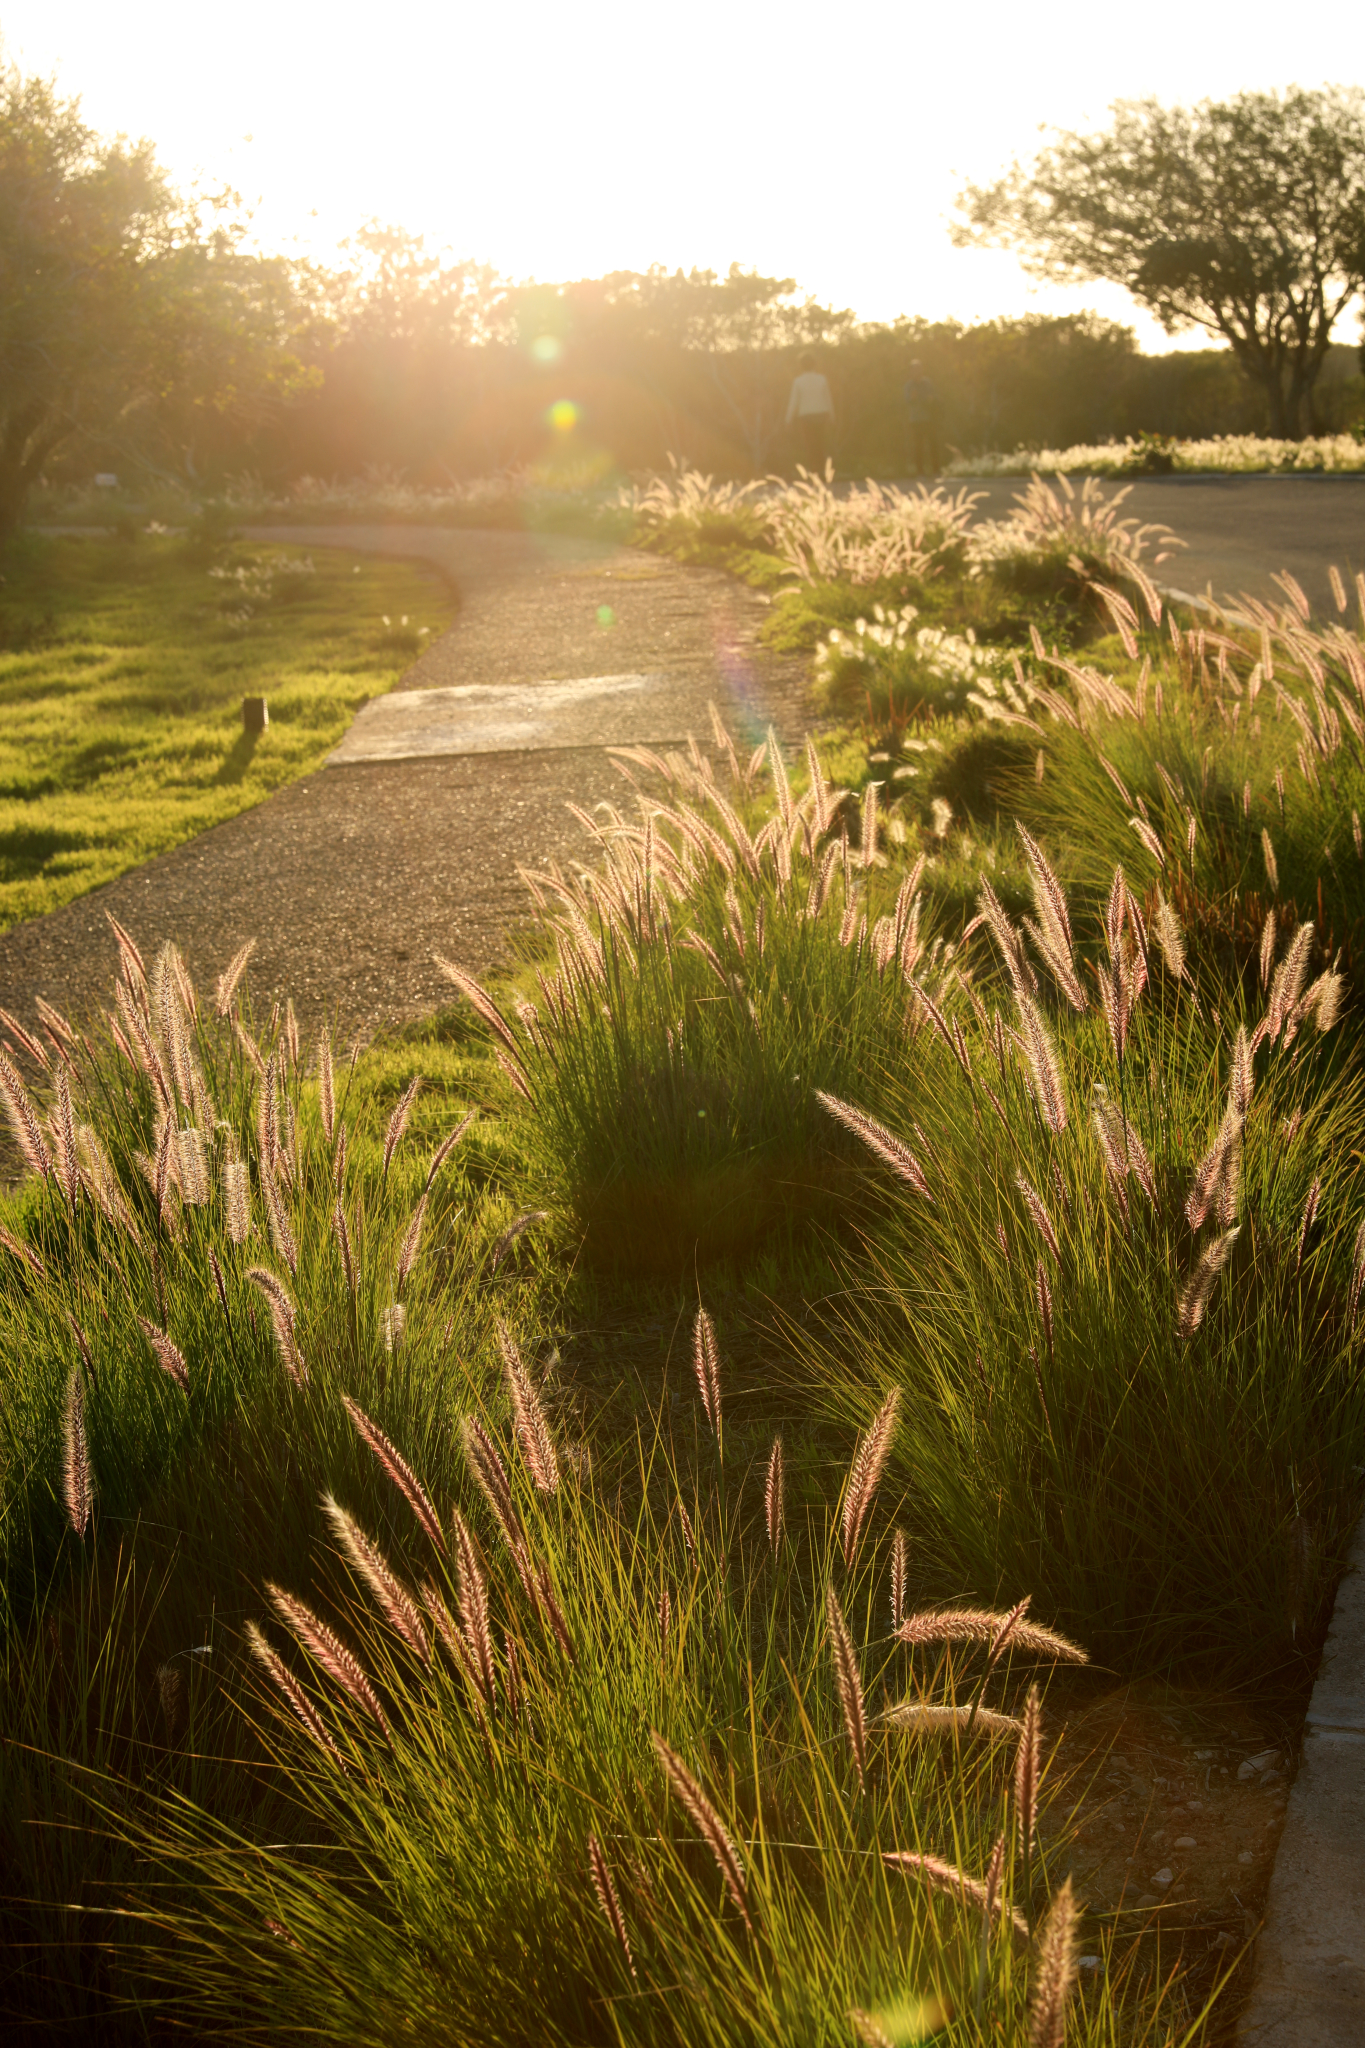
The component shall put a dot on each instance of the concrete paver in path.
(509, 718)
(1308, 1990)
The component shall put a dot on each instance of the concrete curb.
(1308, 1990)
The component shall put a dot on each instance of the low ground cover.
(1163, 455)
(572, 498)
(123, 665)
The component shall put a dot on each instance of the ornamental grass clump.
(867, 534)
(1055, 528)
(1225, 768)
(1123, 1331)
(190, 1255)
(686, 1821)
(705, 980)
(870, 533)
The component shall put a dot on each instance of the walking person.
(922, 411)
(810, 413)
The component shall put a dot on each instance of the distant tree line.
(438, 370)
(140, 333)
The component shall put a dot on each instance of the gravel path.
(352, 878)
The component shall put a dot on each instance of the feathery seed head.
(708, 1824)
(27, 1044)
(490, 1475)
(773, 1502)
(22, 1118)
(398, 1122)
(478, 1635)
(849, 1683)
(326, 1084)
(1267, 945)
(231, 975)
(1272, 866)
(869, 1462)
(1048, 1087)
(922, 1717)
(879, 1140)
(412, 1239)
(899, 1567)
(1028, 1765)
(1170, 938)
(396, 1467)
(1194, 1296)
(946, 1877)
(399, 1608)
(985, 1626)
(281, 1231)
(282, 1320)
(167, 1355)
(298, 1699)
(1054, 1971)
(341, 1231)
(78, 1486)
(607, 1898)
(706, 1366)
(1039, 1216)
(533, 1429)
(340, 1663)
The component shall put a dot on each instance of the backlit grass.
(123, 665)
(1033, 1261)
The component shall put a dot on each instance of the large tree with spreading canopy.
(127, 317)
(1244, 216)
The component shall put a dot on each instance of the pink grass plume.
(708, 1824)
(865, 1472)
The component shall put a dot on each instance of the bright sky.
(559, 141)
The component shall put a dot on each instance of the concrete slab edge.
(1308, 1986)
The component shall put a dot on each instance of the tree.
(126, 317)
(1245, 217)
(397, 290)
(742, 326)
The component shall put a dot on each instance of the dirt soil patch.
(1177, 1802)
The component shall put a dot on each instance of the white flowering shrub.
(890, 660)
(1244, 454)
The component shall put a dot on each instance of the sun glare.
(832, 156)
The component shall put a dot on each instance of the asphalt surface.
(1238, 530)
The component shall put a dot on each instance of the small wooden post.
(255, 714)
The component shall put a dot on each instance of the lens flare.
(547, 349)
(563, 415)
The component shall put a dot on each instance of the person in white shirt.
(810, 413)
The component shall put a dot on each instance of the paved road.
(1239, 529)
(350, 879)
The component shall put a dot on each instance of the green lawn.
(123, 664)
